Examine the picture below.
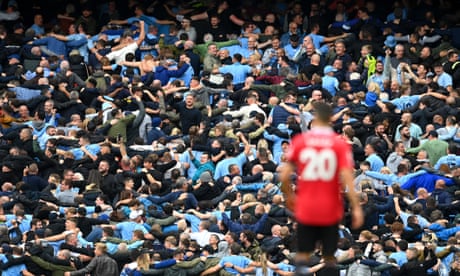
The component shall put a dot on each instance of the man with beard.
(378, 76)
(406, 120)
(189, 114)
(108, 184)
(406, 138)
(380, 140)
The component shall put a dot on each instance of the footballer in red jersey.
(323, 164)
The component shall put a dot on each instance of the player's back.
(319, 155)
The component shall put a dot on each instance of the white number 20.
(319, 164)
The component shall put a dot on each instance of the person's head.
(292, 27)
(235, 249)
(369, 149)
(104, 167)
(214, 239)
(71, 239)
(70, 224)
(425, 52)
(417, 209)
(294, 40)
(170, 242)
(48, 106)
(212, 49)
(363, 13)
(406, 118)
(247, 236)
(230, 237)
(190, 100)
(234, 169)
(340, 47)
(252, 43)
(433, 134)
(38, 19)
(186, 23)
(25, 134)
(290, 98)
(422, 193)
(402, 245)
(323, 113)
(84, 140)
(412, 253)
(117, 113)
(100, 249)
(365, 235)
(317, 95)
(337, 64)
(204, 225)
(63, 254)
(377, 246)
(452, 56)
(379, 129)
(366, 50)
(23, 111)
(214, 20)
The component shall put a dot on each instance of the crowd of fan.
(151, 145)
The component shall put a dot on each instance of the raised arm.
(59, 36)
(131, 63)
(141, 37)
(328, 39)
(397, 207)
(119, 22)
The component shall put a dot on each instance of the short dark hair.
(294, 38)
(235, 248)
(249, 235)
(323, 111)
(417, 208)
(260, 117)
(92, 81)
(238, 57)
(115, 111)
(403, 245)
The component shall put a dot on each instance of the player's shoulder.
(339, 141)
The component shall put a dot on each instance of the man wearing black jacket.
(85, 224)
(414, 266)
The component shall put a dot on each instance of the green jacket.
(277, 89)
(193, 267)
(253, 250)
(56, 270)
(121, 126)
(202, 49)
(435, 148)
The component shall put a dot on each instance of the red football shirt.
(319, 155)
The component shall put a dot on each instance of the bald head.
(189, 44)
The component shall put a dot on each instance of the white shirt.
(202, 237)
(119, 55)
